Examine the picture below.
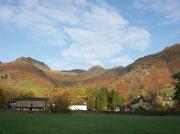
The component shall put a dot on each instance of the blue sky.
(68, 34)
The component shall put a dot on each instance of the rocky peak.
(36, 63)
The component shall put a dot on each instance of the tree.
(2, 97)
(60, 103)
(92, 95)
(114, 99)
(29, 94)
(77, 94)
(158, 103)
(177, 86)
(102, 99)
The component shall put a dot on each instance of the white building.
(81, 107)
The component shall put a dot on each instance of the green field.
(30, 85)
(87, 123)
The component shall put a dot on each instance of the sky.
(70, 34)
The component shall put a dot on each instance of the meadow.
(87, 123)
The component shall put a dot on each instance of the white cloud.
(6, 13)
(136, 38)
(86, 32)
(123, 60)
(169, 9)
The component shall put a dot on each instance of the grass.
(87, 123)
(168, 91)
(30, 85)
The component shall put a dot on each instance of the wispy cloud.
(169, 9)
(86, 32)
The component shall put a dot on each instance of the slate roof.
(31, 99)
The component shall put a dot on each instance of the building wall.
(78, 107)
(30, 103)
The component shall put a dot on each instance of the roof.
(78, 105)
(31, 99)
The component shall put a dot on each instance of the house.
(123, 108)
(141, 103)
(29, 104)
(81, 107)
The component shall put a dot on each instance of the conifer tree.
(177, 86)
(102, 99)
(92, 99)
(114, 99)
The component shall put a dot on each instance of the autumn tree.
(158, 103)
(77, 94)
(60, 103)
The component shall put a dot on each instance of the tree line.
(96, 98)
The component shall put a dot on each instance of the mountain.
(151, 73)
(22, 76)
(36, 63)
(147, 74)
(170, 56)
(94, 71)
(104, 77)
(69, 78)
(78, 71)
(89, 74)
